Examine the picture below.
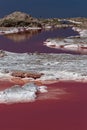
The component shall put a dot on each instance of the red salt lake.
(67, 112)
(64, 107)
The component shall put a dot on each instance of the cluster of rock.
(24, 74)
(18, 19)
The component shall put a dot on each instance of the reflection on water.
(34, 40)
(22, 36)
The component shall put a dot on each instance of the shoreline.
(76, 44)
(17, 30)
(17, 22)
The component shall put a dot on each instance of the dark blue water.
(22, 43)
(45, 8)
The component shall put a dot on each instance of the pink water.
(33, 41)
(69, 112)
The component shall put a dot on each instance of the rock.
(33, 75)
(23, 74)
(20, 74)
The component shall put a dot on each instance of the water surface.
(34, 42)
(67, 113)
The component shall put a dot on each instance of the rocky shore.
(21, 22)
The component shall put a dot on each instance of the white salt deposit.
(72, 21)
(42, 89)
(72, 47)
(82, 32)
(62, 75)
(53, 66)
(5, 75)
(74, 44)
(26, 93)
(17, 30)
